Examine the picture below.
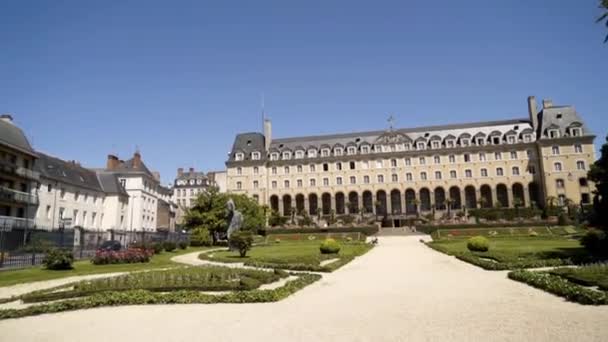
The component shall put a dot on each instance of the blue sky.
(180, 78)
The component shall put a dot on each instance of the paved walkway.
(400, 291)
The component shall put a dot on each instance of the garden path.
(399, 291)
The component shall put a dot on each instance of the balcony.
(27, 173)
(11, 195)
(9, 222)
(20, 171)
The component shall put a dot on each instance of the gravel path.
(399, 291)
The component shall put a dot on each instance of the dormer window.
(299, 154)
(496, 140)
(421, 145)
(325, 152)
(435, 144)
(256, 155)
(480, 141)
(312, 153)
(464, 142)
(352, 150)
(449, 143)
(511, 139)
(553, 133)
(527, 138)
(407, 146)
(338, 151)
(286, 155)
(274, 156)
(239, 156)
(576, 132)
(365, 149)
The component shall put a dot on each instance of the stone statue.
(235, 217)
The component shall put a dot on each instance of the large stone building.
(399, 172)
(18, 199)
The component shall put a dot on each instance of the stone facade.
(399, 172)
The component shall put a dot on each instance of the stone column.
(333, 202)
(306, 205)
(527, 197)
(281, 205)
(477, 196)
(463, 199)
(494, 196)
(510, 197)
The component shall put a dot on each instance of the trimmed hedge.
(478, 244)
(560, 287)
(429, 228)
(142, 297)
(329, 246)
(509, 214)
(368, 230)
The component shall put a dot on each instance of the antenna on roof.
(391, 122)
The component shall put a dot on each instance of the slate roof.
(109, 183)
(249, 142)
(13, 137)
(561, 118)
(66, 172)
(127, 167)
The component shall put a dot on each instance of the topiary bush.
(596, 242)
(330, 246)
(478, 244)
(563, 220)
(182, 245)
(157, 247)
(169, 246)
(200, 237)
(241, 241)
(58, 259)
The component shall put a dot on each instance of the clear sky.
(179, 79)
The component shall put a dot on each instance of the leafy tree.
(604, 16)
(599, 175)
(276, 219)
(209, 211)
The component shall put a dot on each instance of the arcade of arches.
(409, 201)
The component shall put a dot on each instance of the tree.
(209, 211)
(599, 175)
(604, 16)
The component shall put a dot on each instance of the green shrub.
(157, 247)
(200, 237)
(366, 230)
(182, 245)
(58, 259)
(306, 220)
(241, 241)
(330, 246)
(276, 219)
(563, 220)
(596, 242)
(478, 244)
(169, 246)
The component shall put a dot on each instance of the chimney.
(156, 175)
(267, 133)
(112, 162)
(6, 118)
(191, 170)
(136, 160)
(547, 103)
(533, 111)
(180, 171)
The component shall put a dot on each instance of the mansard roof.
(68, 172)
(560, 118)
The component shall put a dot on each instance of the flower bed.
(128, 256)
(561, 287)
(143, 297)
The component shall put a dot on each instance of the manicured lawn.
(589, 275)
(516, 252)
(85, 267)
(300, 255)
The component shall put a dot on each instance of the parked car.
(110, 245)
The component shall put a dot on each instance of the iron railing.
(9, 194)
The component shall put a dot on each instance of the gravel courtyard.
(399, 291)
